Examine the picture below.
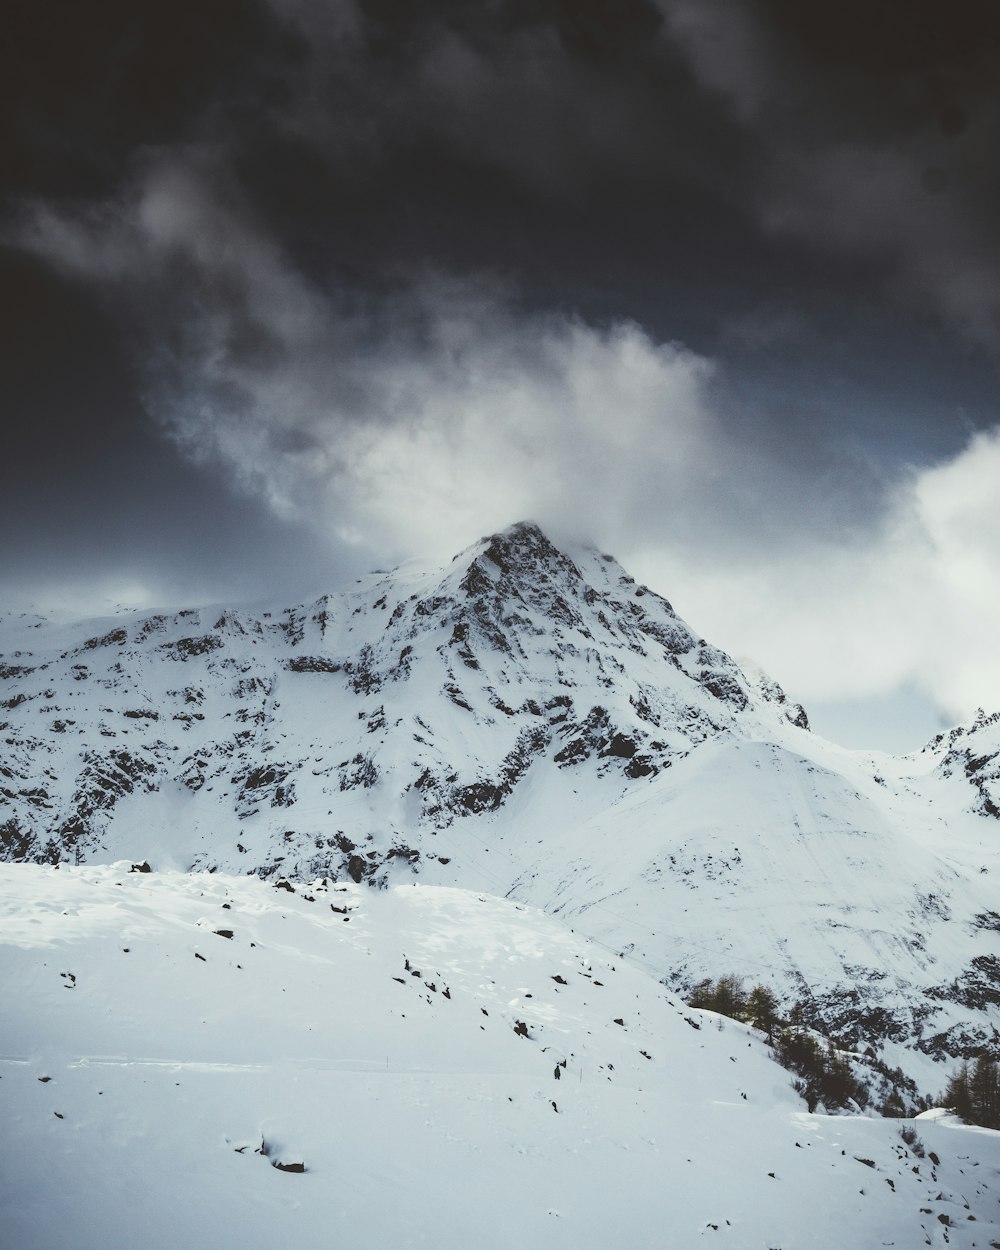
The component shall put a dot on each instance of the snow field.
(402, 1046)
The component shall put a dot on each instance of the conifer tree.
(957, 1095)
(983, 1093)
(761, 1009)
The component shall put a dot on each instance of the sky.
(293, 289)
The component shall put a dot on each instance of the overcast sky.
(297, 288)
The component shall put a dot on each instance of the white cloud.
(915, 604)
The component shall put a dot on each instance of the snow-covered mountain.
(324, 737)
(201, 1060)
(530, 722)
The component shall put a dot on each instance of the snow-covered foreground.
(168, 1039)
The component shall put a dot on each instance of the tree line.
(823, 1074)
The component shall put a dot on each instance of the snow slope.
(179, 1035)
(533, 723)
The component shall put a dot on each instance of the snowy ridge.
(533, 723)
(972, 753)
(210, 1060)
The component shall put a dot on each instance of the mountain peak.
(520, 531)
(520, 561)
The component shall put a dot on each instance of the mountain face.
(323, 738)
(534, 723)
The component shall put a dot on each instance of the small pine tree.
(956, 1095)
(893, 1108)
(838, 1083)
(761, 1010)
(726, 996)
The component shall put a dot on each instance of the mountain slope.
(209, 1060)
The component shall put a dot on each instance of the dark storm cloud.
(597, 154)
(83, 85)
(95, 508)
(677, 162)
(366, 412)
(876, 127)
(696, 276)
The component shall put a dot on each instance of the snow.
(420, 1119)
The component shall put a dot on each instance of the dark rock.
(115, 638)
(188, 648)
(312, 664)
(357, 866)
(621, 746)
(724, 687)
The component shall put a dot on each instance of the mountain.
(324, 737)
(530, 722)
(208, 1060)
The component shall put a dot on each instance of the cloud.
(874, 202)
(729, 51)
(873, 139)
(911, 604)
